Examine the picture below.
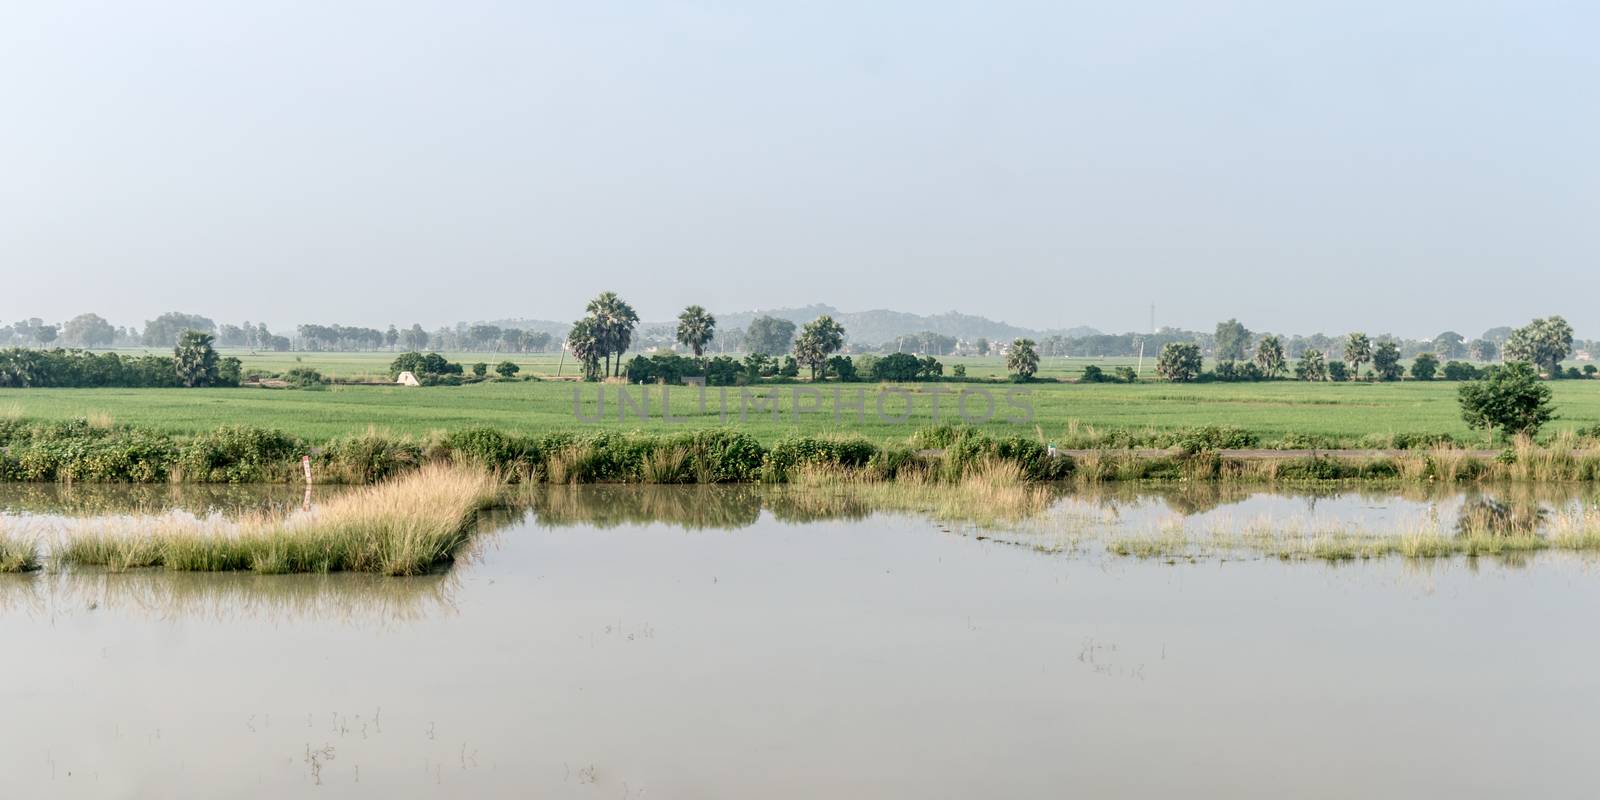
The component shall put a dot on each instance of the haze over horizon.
(1307, 167)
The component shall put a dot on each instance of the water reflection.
(1509, 508)
(99, 499)
(351, 598)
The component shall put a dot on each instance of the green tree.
(769, 336)
(613, 323)
(1450, 345)
(1269, 356)
(1424, 366)
(195, 359)
(1508, 399)
(88, 330)
(1542, 342)
(1483, 350)
(1233, 339)
(507, 369)
(696, 326)
(163, 331)
(585, 347)
(1311, 366)
(1022, 359)
(1386, 361)
(981, 345)
(820, 338)
(1179, 361)
(1357, 351)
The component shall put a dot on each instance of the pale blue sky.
(1303, 166)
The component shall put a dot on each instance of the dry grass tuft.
(401, 527)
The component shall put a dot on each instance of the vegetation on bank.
(97, 450)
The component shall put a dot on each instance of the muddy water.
(693, 643)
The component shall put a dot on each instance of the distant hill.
(862, 327)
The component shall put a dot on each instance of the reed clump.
(18, 553)
(404, 526)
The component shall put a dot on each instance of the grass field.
(1348, 411)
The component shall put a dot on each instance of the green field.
(1349, 411)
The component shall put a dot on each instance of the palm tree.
(1022, 359)
(695, 328)
(819, 339)
(614, 321)
(1269, 356)
(585, 347)
(195, 359)
(1357, 351)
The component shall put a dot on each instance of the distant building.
(407, 379)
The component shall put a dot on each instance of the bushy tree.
(507, 369)
(1449, 345)
(1269, 356)
(1508, 399)
(1022, 359)
(1093, 374)
(769, 336)
(696, 327)
(195, 359)
(1386, 361)
(981, 345)
(414, 337)
(1310, 367)
(896, 368)
(1483, 350)
(820, 338)
(1460, 371)
(88, 330)
(1543, 343)
(1357, 351)
(163, 331)
(1338, 370)
(1424, 366)
(1179, 361)
(1232, 340)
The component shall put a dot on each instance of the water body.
(748, 642)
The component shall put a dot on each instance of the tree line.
(1543, 343)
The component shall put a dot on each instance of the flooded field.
(757, 642)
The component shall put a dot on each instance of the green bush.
(1212, 437)
(369, 458)
(240, 454)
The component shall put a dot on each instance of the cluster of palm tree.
(599, 339)
(605, 332)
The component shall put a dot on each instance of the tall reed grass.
(404, 526)
(18, 551)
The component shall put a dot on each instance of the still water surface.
(621, 642)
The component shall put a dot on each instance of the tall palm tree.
(1357, 351)
(614, 321)
(696, 326)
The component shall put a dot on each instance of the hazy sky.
(1393, 166)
